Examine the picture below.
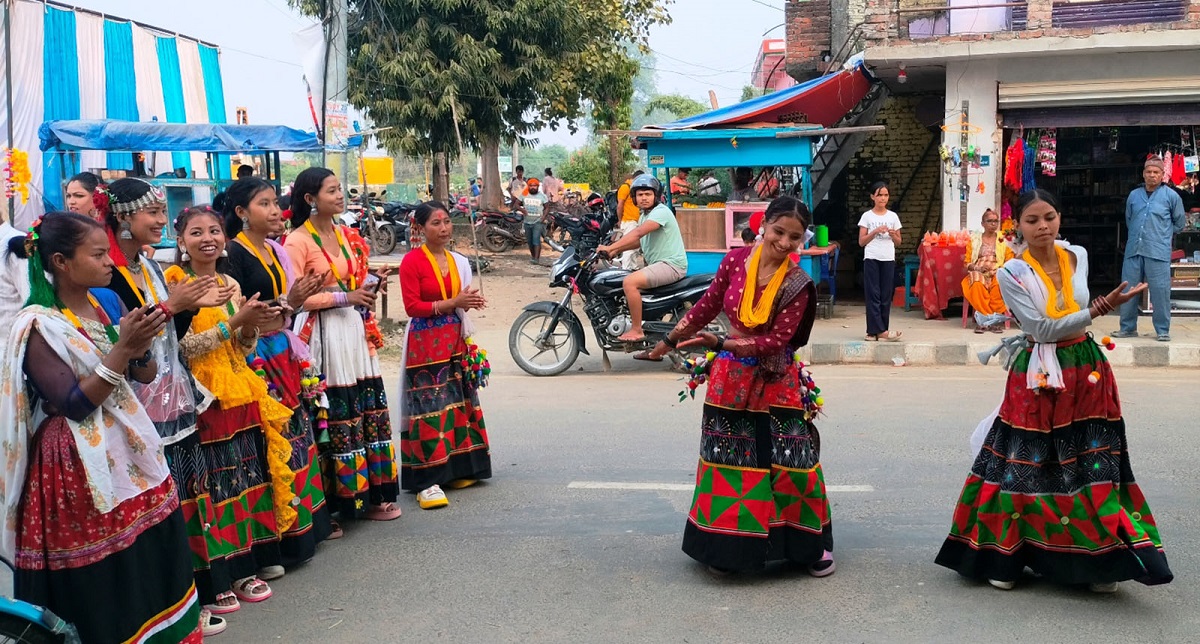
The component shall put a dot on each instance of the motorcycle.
(547, 337)
(500, 231)
(369, 217)
(579, 225)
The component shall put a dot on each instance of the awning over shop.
(821, 101)
(129, 136)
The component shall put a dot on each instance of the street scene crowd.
(193, 401)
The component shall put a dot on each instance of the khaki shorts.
(661, 274)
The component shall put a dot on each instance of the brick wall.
(894, 155)
(808, 35)
(883, 26)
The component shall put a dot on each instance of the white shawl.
(118, 446)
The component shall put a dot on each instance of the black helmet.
(646, 182)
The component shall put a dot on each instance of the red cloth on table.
(939, 277)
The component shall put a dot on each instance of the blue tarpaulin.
(129, 136)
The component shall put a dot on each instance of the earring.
(125, 233)
(224, 253)
(245, 222)
(184, 257)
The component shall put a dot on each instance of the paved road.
(527, 558)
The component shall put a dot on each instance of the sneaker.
(1164, 337)
(432, 497)
(1002, 585)
(211, 624)
(271, 573)
(823, 566)
(1124, 334)
(1110, 587)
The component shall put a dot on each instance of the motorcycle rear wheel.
(525, 348)
(494, 241)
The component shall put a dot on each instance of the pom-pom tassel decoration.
(477, 369)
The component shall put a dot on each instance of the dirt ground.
(509, 283)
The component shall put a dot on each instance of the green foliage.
(536, 160)
(590, 164)
(677, 104)
(749, 92)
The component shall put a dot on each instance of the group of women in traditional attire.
(183, 437)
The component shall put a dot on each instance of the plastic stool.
(912, 264)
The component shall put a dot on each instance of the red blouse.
(419, 284)
(725, 295)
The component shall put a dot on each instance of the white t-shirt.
(882, 248)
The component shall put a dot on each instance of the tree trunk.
(489, 156)
(441, 178)
(615, 167)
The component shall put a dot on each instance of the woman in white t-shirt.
(878, 234)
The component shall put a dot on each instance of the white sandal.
(211, 624)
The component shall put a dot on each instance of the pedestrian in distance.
(760, 491)
(533, 206)
(1052, 486)
(1153, 215)
(878, 234)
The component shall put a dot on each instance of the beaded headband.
(150, 198)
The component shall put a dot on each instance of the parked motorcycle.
(369, 217)
(547, 337)
(500, 231)
(579, 225)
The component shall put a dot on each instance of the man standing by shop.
(1153, 214)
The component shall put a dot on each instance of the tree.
(453, 74)
(677, 104)
(749, 92)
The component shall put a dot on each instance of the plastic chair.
(912, 264)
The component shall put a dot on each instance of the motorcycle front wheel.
(385, 240)
(537, 352)
(494, 241)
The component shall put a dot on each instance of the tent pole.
(8, 96)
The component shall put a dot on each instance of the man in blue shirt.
(1153, 214)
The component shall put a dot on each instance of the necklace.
(1063, 303)
(750, 314)
(276, 287)
(109, 331)
(345, 253)
(453, 278)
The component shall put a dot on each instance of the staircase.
(835, 151)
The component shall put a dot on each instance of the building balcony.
(923, 20)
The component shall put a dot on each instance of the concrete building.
(770, 71)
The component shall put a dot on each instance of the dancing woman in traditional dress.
(259, 265)
(343, 336)
(444, 441)
(1052, 487)
(91, 517)
(760, 491)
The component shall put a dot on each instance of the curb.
(1151, 354)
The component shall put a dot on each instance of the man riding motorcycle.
(658, 235)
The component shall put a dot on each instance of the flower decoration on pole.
(16, 174)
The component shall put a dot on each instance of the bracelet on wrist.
(108, 375)
(669, 342)
(162, 306)
(720, 344)
(141, 362)
(224, 330)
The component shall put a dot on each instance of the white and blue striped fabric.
(76, 65)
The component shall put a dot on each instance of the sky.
(710, 45)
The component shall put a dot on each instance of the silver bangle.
(108, 375)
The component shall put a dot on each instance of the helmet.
(646, 182)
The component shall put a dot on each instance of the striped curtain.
(120, 97)
(28, 113)
(89, 39)
(172, 90)
(214, 93)
(60, 74)
(194, 99)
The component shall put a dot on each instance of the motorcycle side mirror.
(383, 193)
(354, 191)
(371, 195)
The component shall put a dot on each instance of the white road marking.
(683, 487)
